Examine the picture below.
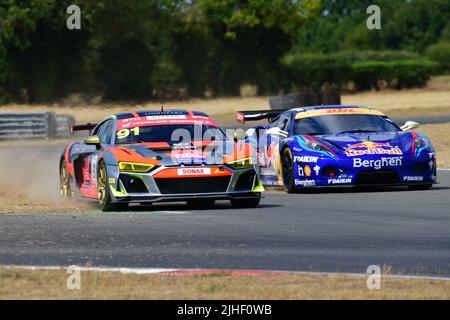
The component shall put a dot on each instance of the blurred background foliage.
(170, 49)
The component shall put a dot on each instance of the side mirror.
(409, 125)
(92, 140)
(239, 134)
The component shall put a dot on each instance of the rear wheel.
(287, 170)
(245, 203)
(65, 185)
(201, 203)
(420, 187)
(104, 194)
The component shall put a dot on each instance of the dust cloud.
(29, 178)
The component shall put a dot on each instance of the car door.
(89, 159)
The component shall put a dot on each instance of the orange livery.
(158, 156)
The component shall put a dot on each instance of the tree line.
(168, 49)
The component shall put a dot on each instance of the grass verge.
(51, 284)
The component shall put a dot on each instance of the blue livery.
(329, 146)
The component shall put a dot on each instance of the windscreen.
(173, 133)
(333, 124)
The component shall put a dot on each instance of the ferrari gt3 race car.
(158, 156)
(328, 146)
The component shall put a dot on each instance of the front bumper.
(374, 171)
(156, 186)
(188, 196)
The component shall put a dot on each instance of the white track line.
(99, 269)
(174, 270)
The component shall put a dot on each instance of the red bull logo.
(370, 147)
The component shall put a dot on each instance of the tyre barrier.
(34, 125)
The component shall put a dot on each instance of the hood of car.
(360, 144)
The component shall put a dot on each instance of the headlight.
(241, 164)
(135, 167)
(315, 146)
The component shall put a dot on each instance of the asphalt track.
(332, 231)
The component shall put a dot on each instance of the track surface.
(326, 231)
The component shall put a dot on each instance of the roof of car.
(309, 108)
(144, 113)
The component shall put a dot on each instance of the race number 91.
(124, 133)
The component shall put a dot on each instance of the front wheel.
(245, 203)
(104, 194)
(420, 187)
(287, 170)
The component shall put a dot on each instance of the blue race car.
(328, 146)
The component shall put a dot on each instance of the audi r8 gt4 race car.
(157, 156)
(328, 146)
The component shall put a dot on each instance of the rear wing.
(83, 127)
(255, 115)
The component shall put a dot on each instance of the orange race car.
(158, 156)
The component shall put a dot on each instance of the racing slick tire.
(201, 203)
(65, 182)
(104, 194)
(420, 187)
(287, 171)
(245, 203)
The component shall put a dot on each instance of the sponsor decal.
(87, 181)
(112, 181)
(191, 160)
(193, 171)
(301, 172)
(297, 149)
(188, 156)
(94, 168)
(167, 116)
(339, 180)
(412, 178)
(379, 163)
(337, 111)
(307, 159)
(316, 170)
(161, 120)
(305, 183)
(308, 171)
(370, 147)
(183, 145)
